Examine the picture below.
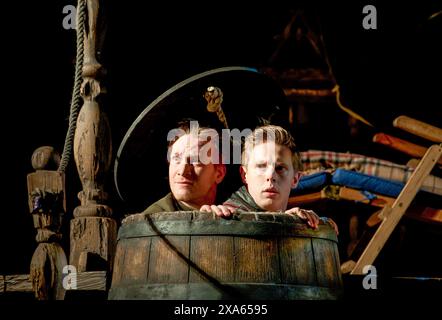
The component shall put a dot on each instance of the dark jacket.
(242, 200)
(167, 204)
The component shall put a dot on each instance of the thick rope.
(76, 97)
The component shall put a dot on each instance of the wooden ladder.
(391, 215)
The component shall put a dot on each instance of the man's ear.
(296, 179)
(243, 173)
(220, 173)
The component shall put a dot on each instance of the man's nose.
(184, 168)
(270, 174)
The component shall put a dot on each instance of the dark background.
(149, 47)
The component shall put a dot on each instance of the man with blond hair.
(270, 168)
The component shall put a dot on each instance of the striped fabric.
(317, 160)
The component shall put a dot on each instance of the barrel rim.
(195, 223)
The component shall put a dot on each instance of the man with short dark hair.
(195, 170)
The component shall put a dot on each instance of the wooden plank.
(375, 218)
(339, 282)
(327, 272)
(118, 268)
(212, 256)
(425, 214)
(351, 194)
(398, 209)
(404, 146)
(256, 260)
(302, 200)
(297, 264)
(353, 229)
(413, 163)
(168, 261)
(419, 128)
(294, 92)
(17, 283)
(92, 280)
(343, 193)
(347, 266)
(136, 260)
(415, 211)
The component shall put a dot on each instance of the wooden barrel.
(194, 255)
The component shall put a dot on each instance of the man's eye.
(176, 159)
(280, 168)
(261, 165)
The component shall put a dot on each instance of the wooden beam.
(16, 283)
(404, 146)
(305, 77)
(92, 280)
(391, 217)
(86, 281)
(304, 199)
(351, 194)
(419, 128)
(425, 214)
(296, 92)
(415, 211)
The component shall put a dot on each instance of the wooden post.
(47, 205)
(93, 231)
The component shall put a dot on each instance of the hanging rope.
(76, 97)
(336, 89)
